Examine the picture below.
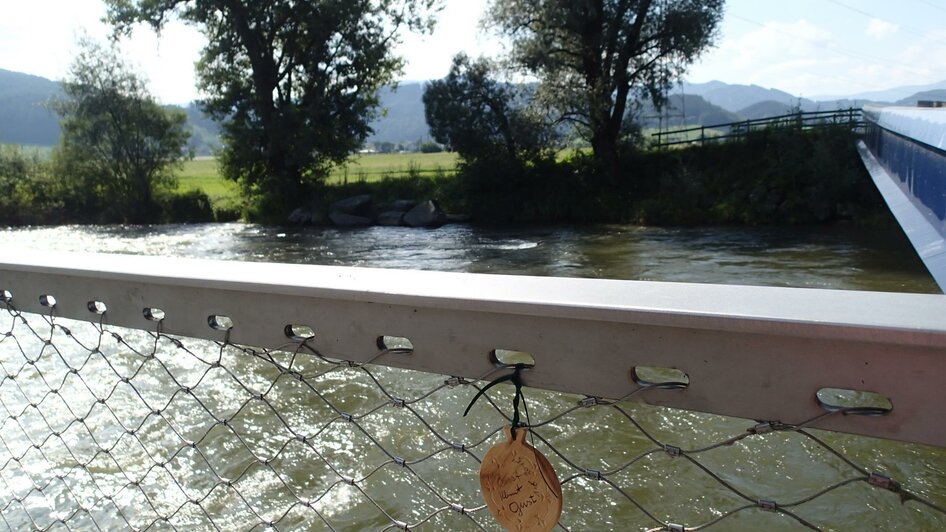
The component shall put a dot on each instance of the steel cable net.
(108, 428)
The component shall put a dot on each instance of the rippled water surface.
(814, 257)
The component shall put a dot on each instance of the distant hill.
(205, 133)
(736, 97)
(24, 118)
(402, 115)
(892, 95)
(766, 109)
(684, 110)
(935, 94)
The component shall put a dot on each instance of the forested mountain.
(205, 133)
(733, 98)
(402, 115)
(935, 94)
(684, 110)
(24, 118)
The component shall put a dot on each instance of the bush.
(430, 147)
(774, 176)
(192, 206)
(28, 192)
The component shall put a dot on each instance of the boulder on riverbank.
(401, 205)
(426, 214)
(360, 211)
(341, 219)
(390, 218)
(306, 216)
(359, 205)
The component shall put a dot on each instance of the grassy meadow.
(203, 173)
(376, 166)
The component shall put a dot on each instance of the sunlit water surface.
(842, 257)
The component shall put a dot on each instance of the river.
(838, 256)
(783, 467)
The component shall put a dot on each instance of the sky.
(810, 48)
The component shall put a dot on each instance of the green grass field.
(376, 166)
(204, 174)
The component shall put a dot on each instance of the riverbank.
(773, 177)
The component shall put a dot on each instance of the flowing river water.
(838, 257)
(841, 257)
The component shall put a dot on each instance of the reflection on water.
(842, 257)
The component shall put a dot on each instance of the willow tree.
(295, 84)
(594, 58)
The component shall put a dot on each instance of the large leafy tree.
(480, 117)
(596, 57)
(295, 83)
(117, 144)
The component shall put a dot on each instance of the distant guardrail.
(904, 150)
(800, 120)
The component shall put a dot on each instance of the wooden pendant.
(519, 485)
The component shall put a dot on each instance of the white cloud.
(879, 28)
(40, 38)
(457, 30)
(168, 61)
(786, 55)
(804, 58)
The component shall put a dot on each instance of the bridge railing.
(141, 392)
(904, 150)
(850, 117)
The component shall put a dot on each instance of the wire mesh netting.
(106, 428)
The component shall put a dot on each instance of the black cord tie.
(516, 379)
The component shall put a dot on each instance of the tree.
(117, 144)
(593, 57)
(294, 83)
(480, 117)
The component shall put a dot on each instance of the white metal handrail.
(752, 352)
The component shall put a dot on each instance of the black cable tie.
(762, 428)
(458, 508)
(589, 402)
(516, 379)
(887, 483)
(767, 505)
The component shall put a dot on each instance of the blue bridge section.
(904, 150)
